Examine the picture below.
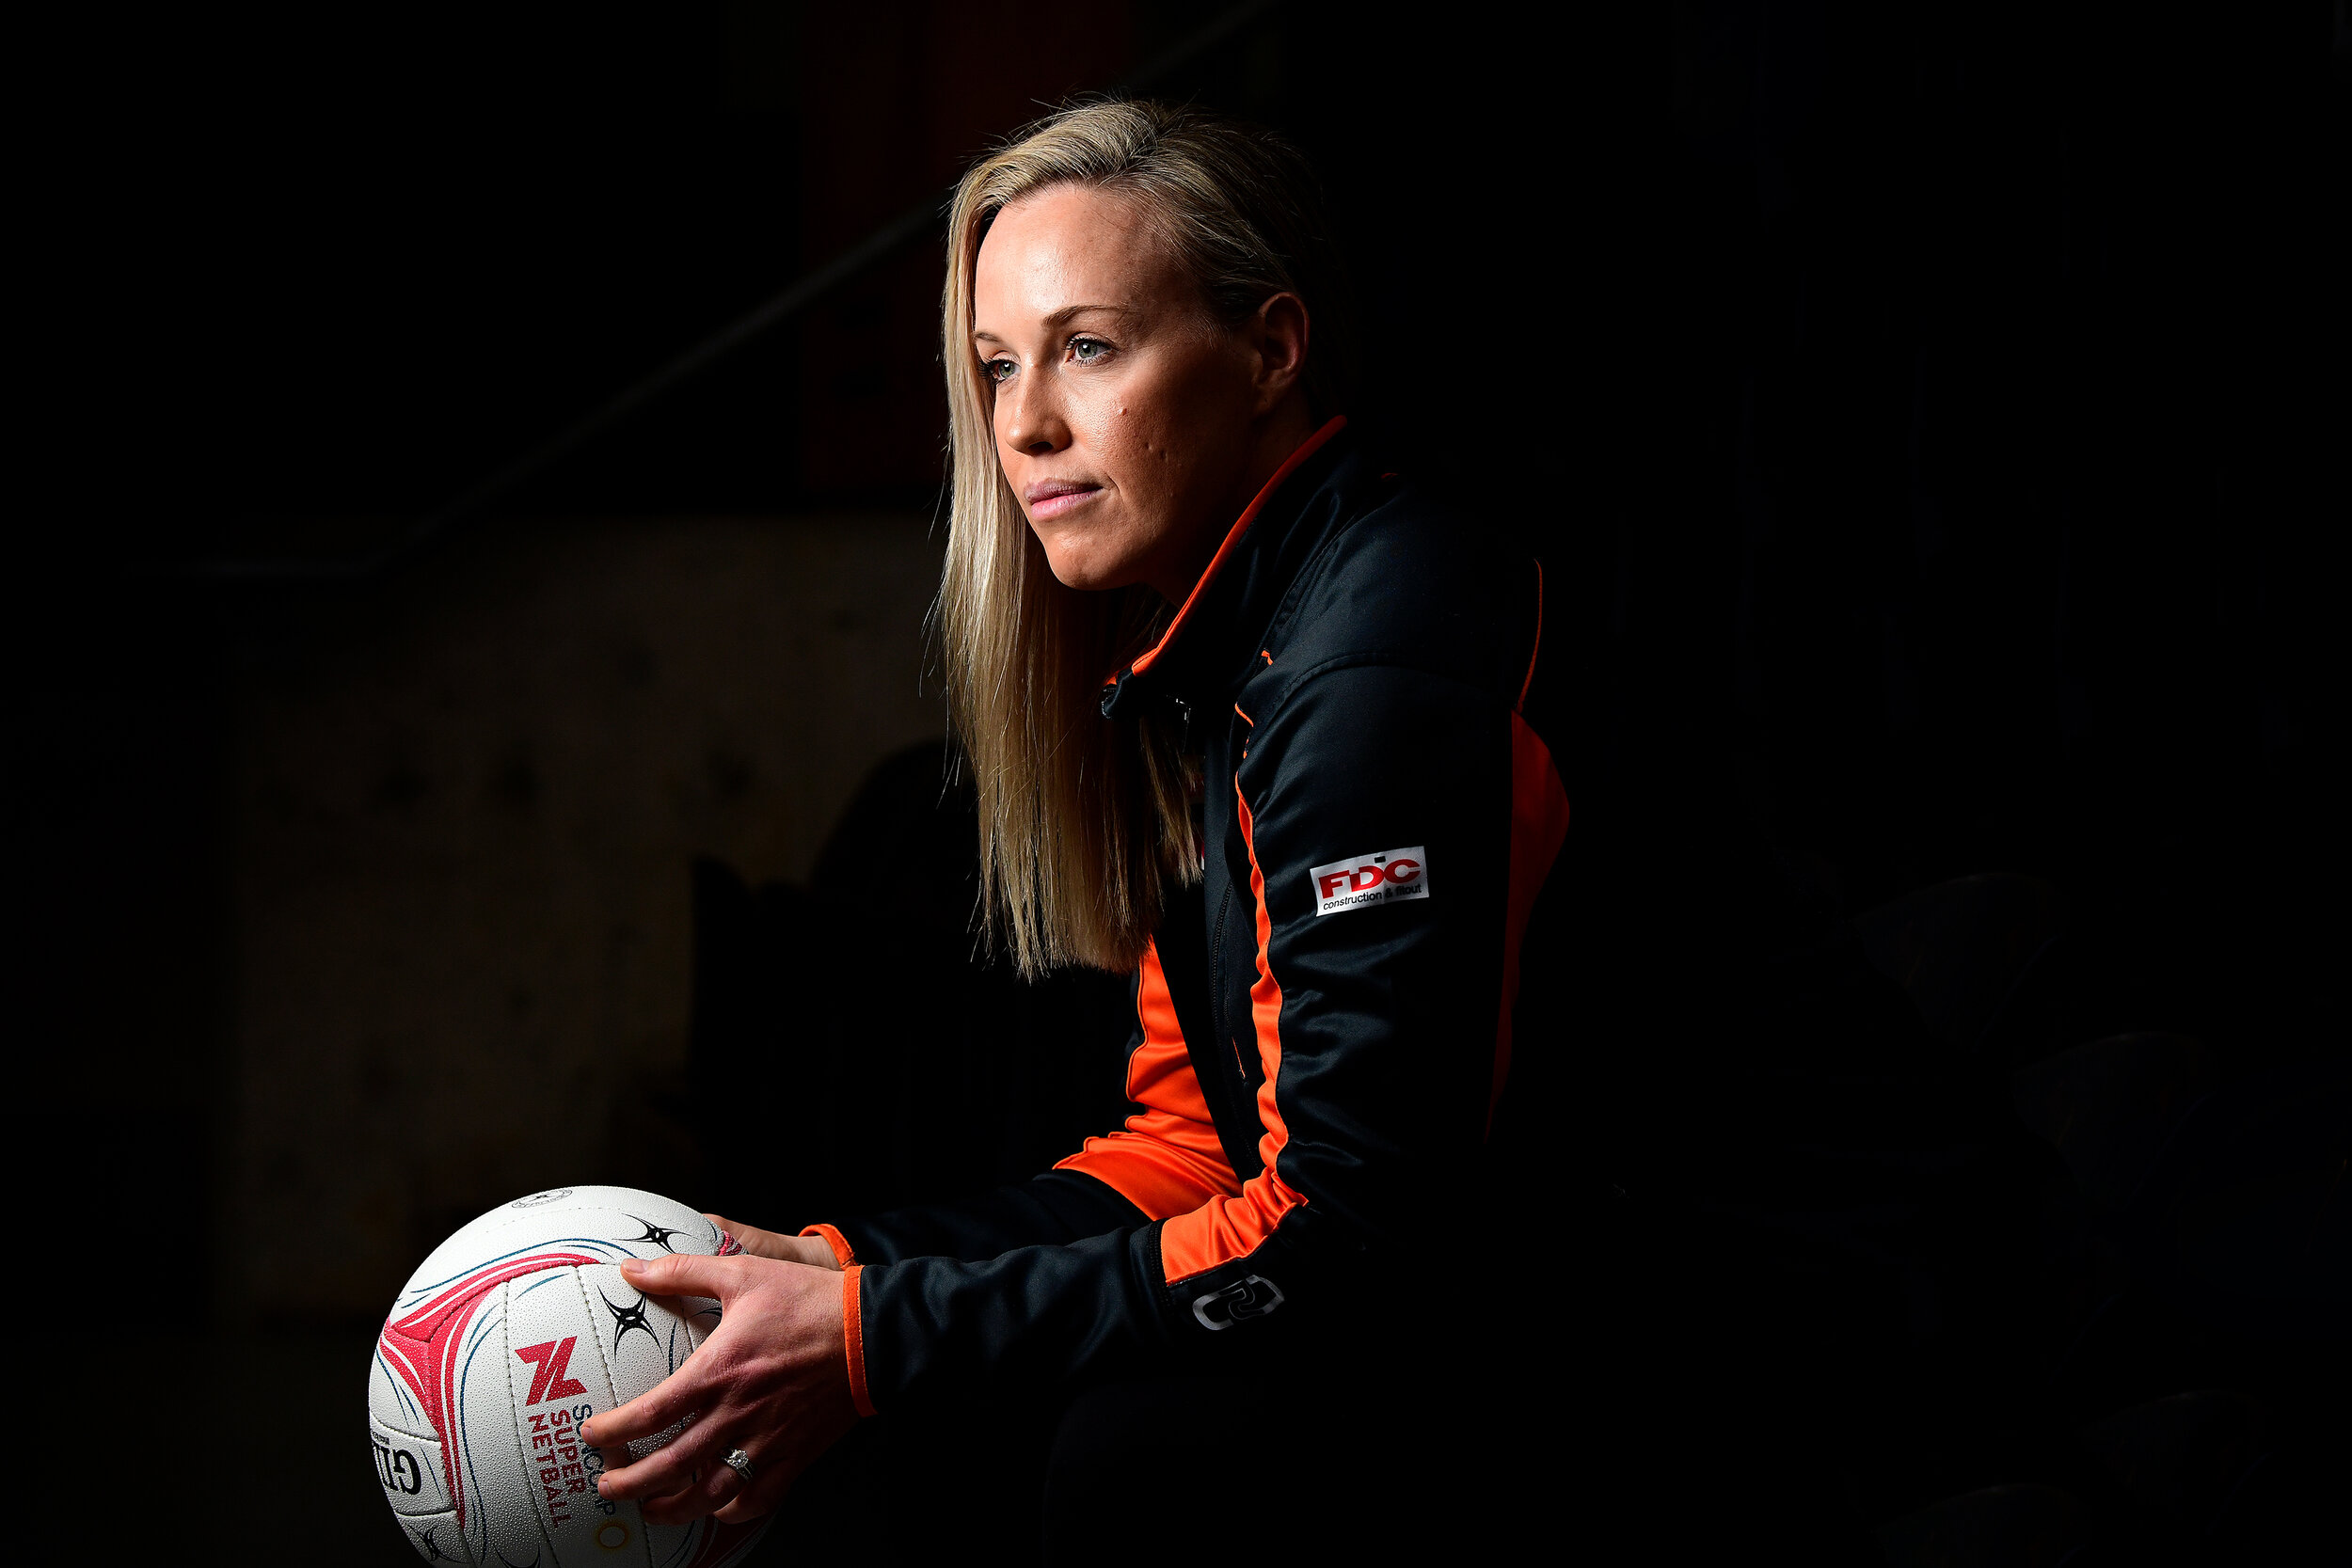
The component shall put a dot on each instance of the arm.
(1381, 1030)
(1057, 1207)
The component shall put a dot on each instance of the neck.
(1273, 438)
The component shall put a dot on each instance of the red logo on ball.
(554, 1359)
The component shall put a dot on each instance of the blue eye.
(1086, 351)
(997, 370)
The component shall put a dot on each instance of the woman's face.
(1130, 424)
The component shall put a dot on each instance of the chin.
(1090, 571)
(1087, 577)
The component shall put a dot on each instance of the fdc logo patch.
(1359, 883)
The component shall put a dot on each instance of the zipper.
(1183, 726)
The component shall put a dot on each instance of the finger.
(759, 1242)
(675, 1399)
(677, 1465)
(674, 1507)
(761, 1497)
(713, 1487)
(685, 1274)
(710, 1484)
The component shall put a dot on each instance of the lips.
(1050, 498)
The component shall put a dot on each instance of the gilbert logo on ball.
(506, 1341)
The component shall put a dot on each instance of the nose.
(1029, 419)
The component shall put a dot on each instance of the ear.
(1277, 334)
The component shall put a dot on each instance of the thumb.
(683, 1275)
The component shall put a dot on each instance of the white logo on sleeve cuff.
(1363, 881)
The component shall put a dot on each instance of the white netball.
(517, 1329)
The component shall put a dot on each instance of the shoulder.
(1408, 582)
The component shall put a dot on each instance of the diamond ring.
(740, 1462)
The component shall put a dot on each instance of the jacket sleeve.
(1381, 1023)
(1057, 1207)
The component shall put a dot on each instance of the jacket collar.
(1244, 582)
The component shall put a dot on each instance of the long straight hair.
(1084, 820)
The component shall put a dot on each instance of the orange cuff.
(853, 1337)
(843, 1253)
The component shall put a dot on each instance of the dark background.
(1930, 419)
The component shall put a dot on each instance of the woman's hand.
(772, 1380)
(772, 1244)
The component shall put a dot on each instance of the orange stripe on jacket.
(843, 1254)
(1539, 823)
(853, 1338)
(1217, 1234)
(1168, 1161)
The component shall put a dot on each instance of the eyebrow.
(1061, 316)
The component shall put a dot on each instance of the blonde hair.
(1084, 819)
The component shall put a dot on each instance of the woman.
(1247, 717)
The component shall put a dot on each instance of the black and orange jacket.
(1323, 1024)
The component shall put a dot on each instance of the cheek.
(1198, 406)
(1145, 429)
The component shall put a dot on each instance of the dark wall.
(1964, 453)
(1926, 422)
